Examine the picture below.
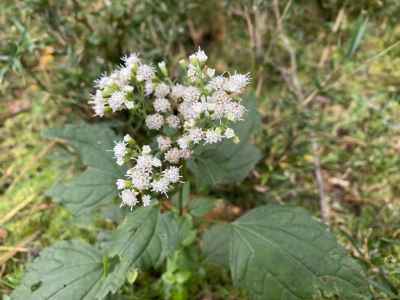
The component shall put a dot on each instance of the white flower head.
(213, 136)
(191, 94)
(236, 83)
(183, 142)
(172, 174)
(173, 155)
(98, 104)
(210, 72)
(164, 143)
(131, 60)
(146, 200)
(199, 56)
(116, 101)
(148, 88)
(144, 73)
(177, 91)
(146, 149)
(120, 183)
(128, 198)
(229, 133)
(103, 81)
(160, 186)
(162, 90)
(216, 83)
(196, 135)
(120, 152)
(173, 121)
(162, 105)
(140, 180)
(155, 121)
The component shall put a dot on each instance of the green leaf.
(215, 245)
(279, 252)
(228, 162)
(95, 188)
(200, 206)
(358, 34)
(68, 270)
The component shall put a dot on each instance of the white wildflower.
(210, 72)
(229, 133)
(183, 142)
(120, 184)
(98, 104)
(144, 73)
(236, 83)
(177, 91)
(172, 174)
(173, 155)
(116, 101)
(146, 149)
(146, 200)
(212, 136)
(199, 56)
(160, 186)
(191, 94)
(173, 121)
(216, 83)
(103, 81)
(120, 152)
(234, 111)
(127, 138)
(127, 88)
(196, 135)
(161, 105)
(140, 180)
(128, 198)
(155, 121)
(148, 88)
(164, 143)
(162, 90)
(144, 163)
(131, 60)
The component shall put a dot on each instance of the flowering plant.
(194, 121)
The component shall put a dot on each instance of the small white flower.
(236, 83)
(120, 184)
(200, 56)
(98, 104)
(173, 155)
(129, 104)
(116, 101)
(234, 111)
(148, 87)
(192, 73)
(160, 186)
(144, 73)
(144, 163)
(183, 142)
(103, 81)
(140, 180)
(155, 121)
(131, 60)
(210, 72)
(216, 83)
(173, 121)
(161, 105)
(128, 198)
(124, 75)
(119, 152)
(172, 174)
(127, 88)
(162, 90)
(177, 91)
(127, 138)
(164, 143)
(212, 136)
(229, 133)
(156, 162)
(196, 135)
(146, 149)
(186, 153)
(191, 94)
(146, 200)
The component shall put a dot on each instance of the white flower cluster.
(197, 110)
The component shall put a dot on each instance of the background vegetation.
(327, 79)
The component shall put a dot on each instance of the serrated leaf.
(200, 206)
(215, 245)
(95, 188)
(228, 162)
(279, 252)
(68, 270)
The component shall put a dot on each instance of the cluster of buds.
(198, 109)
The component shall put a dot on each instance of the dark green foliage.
(279, 252)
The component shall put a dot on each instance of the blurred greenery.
(327, 79)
